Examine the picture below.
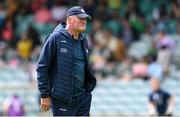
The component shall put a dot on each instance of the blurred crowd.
(115, 26)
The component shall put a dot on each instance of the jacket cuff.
(44, 95)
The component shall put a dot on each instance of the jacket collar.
(61, 28)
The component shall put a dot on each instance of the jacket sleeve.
(46, 57)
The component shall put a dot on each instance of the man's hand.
(171, 103)
(152, 109)
(45, 104)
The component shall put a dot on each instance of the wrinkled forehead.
(75, 18)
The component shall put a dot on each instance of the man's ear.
(68, 19)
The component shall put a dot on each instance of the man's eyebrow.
(81, 18)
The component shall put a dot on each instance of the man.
(64, 78)
(161, 103)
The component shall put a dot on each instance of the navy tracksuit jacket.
(55, 66)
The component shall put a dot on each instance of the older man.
(64, 78)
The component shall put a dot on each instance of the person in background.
(24, 47)
(164, 58)
(13, 106)
(161, 103)
(154, 68)
(165, 49)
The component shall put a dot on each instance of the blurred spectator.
(43, 15)
(155, 70)
(3, 14)
(34, 36)
(114, 23)
(12, 7)
(96, 26)
(36, 4)
(166, 47)
(165, 40)
(124, 70)
(3, 47)
(89, 7)
(102, 12)
(98, 60)
(127, 33)
(113, 44)
(161, 103)
(58, 11)
(175, 10)
(140, 70)
(119, 51)
(13, 107)
(5, 106)
(138, 24)
(164, 58)
(24, 47)
(160, 14)
(132, 10)
(114, 4)
(7, 32)
(23, 19)
(178, 27)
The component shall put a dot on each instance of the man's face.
(78, 24)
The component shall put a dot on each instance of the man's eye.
(82, 18)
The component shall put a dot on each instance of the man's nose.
(84, 21)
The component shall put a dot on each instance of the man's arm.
(152, 109)
(45, 60)
(151, 106)
(171, 103)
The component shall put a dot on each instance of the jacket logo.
(63, 109)
(63, 41)
(87, 50)
(82, 10)
(63, 50)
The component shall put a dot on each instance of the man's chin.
(83, 30)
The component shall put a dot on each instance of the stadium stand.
(122, 98)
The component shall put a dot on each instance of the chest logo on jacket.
(87, 50)
(63, 41)
(63, 50)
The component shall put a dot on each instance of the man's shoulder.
(165, 93)
(57, 35)
(151, 94)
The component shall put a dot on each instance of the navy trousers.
(80, 106)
